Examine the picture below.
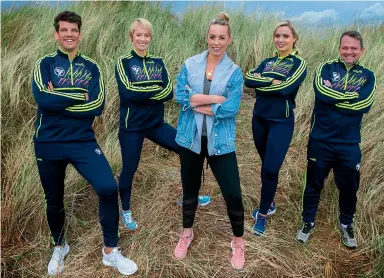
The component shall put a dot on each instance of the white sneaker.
(56, 264)
(117, 260)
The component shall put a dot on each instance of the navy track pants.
(344, 159)
(131, 143)
(272, 140)
(88, 159)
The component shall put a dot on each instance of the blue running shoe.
(126, 218)
(203, 201)
(260, 224)
(271, 211)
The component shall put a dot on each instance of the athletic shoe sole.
(106, 263)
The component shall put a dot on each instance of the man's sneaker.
(182, 246)
(305, 232)
(238, 257)
(271, 211)
(348, 235)
(203, 201)
(126, 218)
(260, 224)
(56, 264)
(115, 259)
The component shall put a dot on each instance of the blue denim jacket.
(221, 129)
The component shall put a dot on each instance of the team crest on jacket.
(136, 70)
(269, 64)
(335, 76)
(358, 167)
(59, 71)
(98, 151)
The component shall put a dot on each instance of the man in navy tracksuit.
(69, 92)
(344, 91)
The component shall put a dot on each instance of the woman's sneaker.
(115, 259)
(271, 211)
(348, 235)
(260, 225)
(182, 246)
(56, 264)
(238, 256)
(203, 201)
(127, 219)
(305, 232)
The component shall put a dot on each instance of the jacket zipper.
(346, 80)
(70, 63)
(38, 128)
(126, 118)
(145, 69)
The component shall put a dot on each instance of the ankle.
(238, 240)
(108, 250)
(187, 232)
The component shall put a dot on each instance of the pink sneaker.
(182, 247)
(238, 257)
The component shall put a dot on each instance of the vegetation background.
(27, 34)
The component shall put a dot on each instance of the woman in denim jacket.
(209, 89)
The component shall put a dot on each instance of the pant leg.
(165, 136)
(191, 166)
(52, 175)
(131, 144)
(260, 135)
(90, 162)
(279, 139)
(347, 179)
(320, 158)
(226, 172)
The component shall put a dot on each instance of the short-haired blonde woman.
(144, 85)
(209, 89)
(276, 81)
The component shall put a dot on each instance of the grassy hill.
(27, 34)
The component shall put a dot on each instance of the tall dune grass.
(27, 35)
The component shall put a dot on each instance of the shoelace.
(261, 220)
(127, 217)
(184, 241)
(350, 232)
(238, 249)
(307, 227)
(57, 254)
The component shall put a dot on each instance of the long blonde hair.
(288, 24)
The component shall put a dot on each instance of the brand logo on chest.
(335, 76)
(137, 70)
(59, 71)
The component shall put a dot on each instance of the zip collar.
(293, 53)
(345, 65)
(63, 53)
(135, 54)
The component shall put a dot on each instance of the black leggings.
(226, 172)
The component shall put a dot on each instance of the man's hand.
(50, 86)
(86, 96)
(327, 83)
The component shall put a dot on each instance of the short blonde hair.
(140, 21)
(221, 19)
(288, 24)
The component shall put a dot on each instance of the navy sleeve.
(47, 100)
(326, 94)
(96, 91)
(252, 81)
(364, 102)
(292, 82)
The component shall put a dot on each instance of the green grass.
(27, 34)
